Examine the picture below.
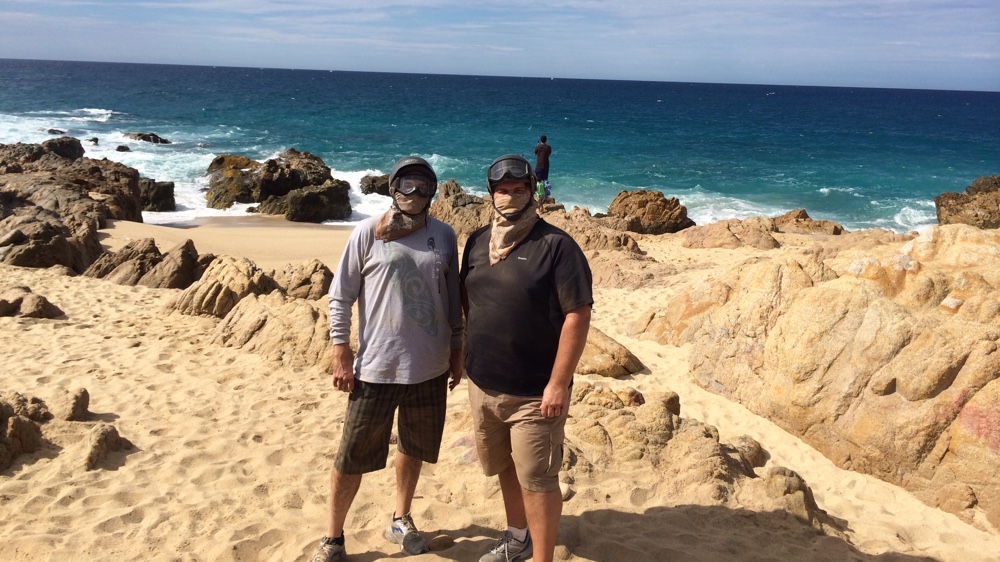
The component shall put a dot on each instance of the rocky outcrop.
(53, 201)
(466, 213)
(20, 433)
(628, 270)
(308, 281)
(327, 202)
(979, 206)
(887, 363)
(463, 211)
(606, 357)
(648, 212)
(140, 263)
(67, 147)
(177, 269)
(226, 281)
(127, 265)
(229, 177)
(756, 232)
(147, 137)
(616, 432)
(592, 233)
(21, 302)
(375, 184)
(157, 196)
(290, 330)
(798, 222)
(238, 179)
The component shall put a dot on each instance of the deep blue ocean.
(862, 157)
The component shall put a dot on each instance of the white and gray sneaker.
(509, 549)
(330, 551)
(403, 532)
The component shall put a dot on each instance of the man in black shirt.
(527, 289)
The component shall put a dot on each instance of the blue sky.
(936, 44)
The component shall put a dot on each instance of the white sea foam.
(908, 219)
(704, 207)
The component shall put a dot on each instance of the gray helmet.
(418, 165)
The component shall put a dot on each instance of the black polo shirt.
(517, 307)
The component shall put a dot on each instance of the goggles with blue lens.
(408, 185)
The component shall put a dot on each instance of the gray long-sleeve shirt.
(409, 308)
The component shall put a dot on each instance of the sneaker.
(330, 551)
(509, 549)
(403, 532)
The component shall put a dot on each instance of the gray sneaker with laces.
(509, 549)
(329, 551)
(403, 532)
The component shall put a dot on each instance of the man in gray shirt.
(402, 270)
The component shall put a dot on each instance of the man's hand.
(572, 340)
(555, 400)
(342, 367)
(456, 362)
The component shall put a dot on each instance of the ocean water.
(862, 157)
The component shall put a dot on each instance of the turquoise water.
(861, 157)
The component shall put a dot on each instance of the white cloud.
(831, 42)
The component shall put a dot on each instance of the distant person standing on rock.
(542, 152)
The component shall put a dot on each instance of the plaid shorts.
(364, 445)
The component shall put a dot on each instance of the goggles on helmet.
(510, 166)
(407, 185)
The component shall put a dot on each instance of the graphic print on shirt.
(413, 288)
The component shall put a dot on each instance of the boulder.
(75, 406)
(290, 330)
(237, 179)
(606, 357)
(732, 234)
(157, 196)
(19, 429)
(591, 233)
(147, 137)
(229, 180)
(127, 265)
(177, 269)
(102, 441)
(798, 222)
(21, 302)
(463, 211)
(605, 434)
(309, 281)
(327, 202)
(649, 212)
(375, 184)
(226, 281)
(35, 237)
(979, 206)
(67, 147)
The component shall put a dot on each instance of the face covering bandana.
(510, 205)
(405, 216)
(510, 228)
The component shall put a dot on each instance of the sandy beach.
(231, 452)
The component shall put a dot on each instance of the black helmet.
(509, 166)
(414, 162)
